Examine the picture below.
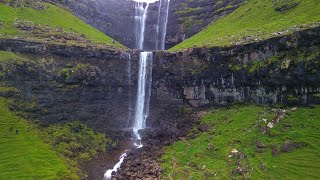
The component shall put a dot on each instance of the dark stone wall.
(91, 85)
(116, 18)
(279, 70)
(74, 83)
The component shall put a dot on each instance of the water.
(164, 26)
(162, 21)
(158, 25)
(143, 94)
(108, 174)
(140, 23)
(145, 71)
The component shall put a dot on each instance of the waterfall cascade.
(145, 69)
(140, 23)
(143, 92)
(144, 79)
(161, 31)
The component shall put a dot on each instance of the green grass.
(256, 19)
(238, 128)
(25, 155)
(52, 16)
(8, 55)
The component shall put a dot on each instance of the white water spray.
(164, 27)
(140, 22)
(143, 93)
(161, 29)
(108, 174)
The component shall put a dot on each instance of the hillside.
(256, 20)
(287, 150)
(23, 153)
(44, 22)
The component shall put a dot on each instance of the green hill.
(45, 22)
(25, 155)
(289, 150)
(256, 20)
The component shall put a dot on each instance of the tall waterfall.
(161, 29)
(140, 23)
(145, 71)
(143, 92)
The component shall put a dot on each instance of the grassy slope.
(25, 156)
(242, 124)
(256, 18)
(52, 16)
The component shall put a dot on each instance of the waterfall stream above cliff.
(140, 22)
(162, 24)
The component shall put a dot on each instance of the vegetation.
(256, 20)
(48, 23)
(289, 150)
(308, 58)
(23, 153)
(32, 152)
(76, 143)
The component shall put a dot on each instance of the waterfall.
(108, 174)
(143, 93)
(140, 23)
(158, 25)
(162, 21)
(145, 72)
(164, 27)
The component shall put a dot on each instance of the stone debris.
(270, 125)
(294, 109)
(234, 151)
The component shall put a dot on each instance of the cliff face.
(73, 83)
(116, 18)
(92, 85)
(279, 70)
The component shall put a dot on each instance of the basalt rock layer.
(73, 83)
(278, 70)
(93, 84)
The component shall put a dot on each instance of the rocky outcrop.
(279, 70)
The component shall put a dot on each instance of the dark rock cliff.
(74, 83)
(279, 70)
(92, 85)
(116, 18)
